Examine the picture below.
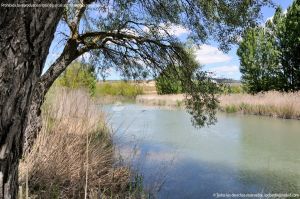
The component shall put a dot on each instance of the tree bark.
(25, 37)
(34, 121)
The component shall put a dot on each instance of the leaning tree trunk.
(34, 120)
(25, 38)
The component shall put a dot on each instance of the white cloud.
(209, 55)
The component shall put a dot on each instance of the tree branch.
(69, 54)
(120, 36)
(79, 12)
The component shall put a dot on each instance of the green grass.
(231, 109)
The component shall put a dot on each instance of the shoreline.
(270, 104)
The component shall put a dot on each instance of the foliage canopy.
(170, 79)
(135, 37)
(78, 75)
(270, 55)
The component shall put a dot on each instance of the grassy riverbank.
(274, 104)
(74, 155)
(176, 100)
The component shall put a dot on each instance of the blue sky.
(214, 60)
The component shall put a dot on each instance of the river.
(240, 154)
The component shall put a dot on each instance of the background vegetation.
(270, 55)
(168, 81)
(78, 76)
(231, 88)
(82, 76)
(120, 88)
(272, 103)
(171, 79)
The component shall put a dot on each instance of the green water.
(240, 154)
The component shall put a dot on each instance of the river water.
(240, 154)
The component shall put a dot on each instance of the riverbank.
(273, 104)
(74, 154)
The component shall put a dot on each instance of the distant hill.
(226, 80)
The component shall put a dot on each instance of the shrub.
(119, 89)
(231, 89)
(78, 75)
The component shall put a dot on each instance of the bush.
(231, 89)
(77, 76)
(119, 89)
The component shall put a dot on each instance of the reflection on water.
(240, 154)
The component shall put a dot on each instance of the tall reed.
(73, 155)
(274, 104)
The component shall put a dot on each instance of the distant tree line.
(270, 55)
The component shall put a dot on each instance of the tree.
(277, 29)
(289, 37)
(270, 55)
(169, 80)
(131, 35)
(25, 37)
(79, 75)
(259, 60)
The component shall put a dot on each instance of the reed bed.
(273, 104)
(73, 155)
(176, 100)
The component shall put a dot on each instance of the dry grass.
(161, 100)
(74, 153)
(148, 87)
(274, 104)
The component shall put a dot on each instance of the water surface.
(240, 154)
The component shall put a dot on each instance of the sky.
(213, 60)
